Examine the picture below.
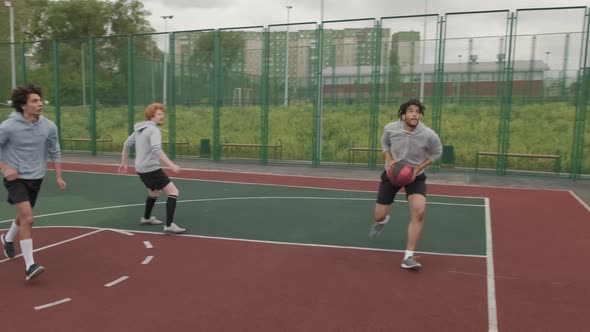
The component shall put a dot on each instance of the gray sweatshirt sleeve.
(385, 142)
(434, 147)
(54, 148)
(129, 142)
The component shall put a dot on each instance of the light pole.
(8, 4)
(287, 59)
(165, 80)
(546, 74)
(423, 53)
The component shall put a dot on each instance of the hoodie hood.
(138, 127)
(25, 146)
(18, 116)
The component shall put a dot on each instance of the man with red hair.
(147, 139)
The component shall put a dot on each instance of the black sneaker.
(34, 271)
(8, 247)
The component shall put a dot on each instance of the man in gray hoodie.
(27, 140)
(147, 139)
(410, 140)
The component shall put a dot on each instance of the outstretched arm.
(129, 142)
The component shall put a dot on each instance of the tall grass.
(534, 128)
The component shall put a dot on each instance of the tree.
(72, 23)
(202, 59)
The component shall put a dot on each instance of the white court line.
(217, 171)
(232, 199)
(492, 309)
(148, 244)
(147, 260)
(580, 200)
(315, 245)
(121, 231)
(59, 243)
(52, 304)
(294, 186)
(114, 282)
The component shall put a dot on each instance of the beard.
(412, 123)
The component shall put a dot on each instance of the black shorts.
(155, 180)
(387, 190)
(21, 190)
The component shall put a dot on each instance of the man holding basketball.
(413, 142)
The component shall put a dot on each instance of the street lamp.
(423, 53)
(287, 59)
(166, 18)
(12, 60)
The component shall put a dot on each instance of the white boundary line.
(114, 282)
(580, 200)
(148, 244)
(229, 199)
(44, 306)
(61, 242)
(492, 309)
(147, 260)
(217, 171)
(312, 177)
(273, 242)
(281, 185)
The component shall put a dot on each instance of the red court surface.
(535, 278)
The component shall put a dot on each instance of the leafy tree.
(202, 59)
(72, 24)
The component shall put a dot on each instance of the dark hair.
(20, 95)
(403, 108)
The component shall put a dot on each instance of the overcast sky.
(204, 14)
(548, 44)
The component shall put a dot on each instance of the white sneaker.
(173, 229)
(151, 221)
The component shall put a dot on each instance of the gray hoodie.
(26, 146)
(414, 147)
(148, 146)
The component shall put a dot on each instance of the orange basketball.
(400, 174)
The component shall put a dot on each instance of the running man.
(411, 140)
(27, 140)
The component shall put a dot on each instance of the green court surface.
(454, 225)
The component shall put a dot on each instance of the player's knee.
(418, 215)
(155, 193)
(26, 220)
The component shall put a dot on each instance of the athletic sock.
(409, 253)
(149, 205)
(27, 248)
(170, 208)
(12, 232)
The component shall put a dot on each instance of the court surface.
(267, 252)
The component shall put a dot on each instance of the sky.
(208, 14)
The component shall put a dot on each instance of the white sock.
(26, 246)
(12, 232)
(409, 253)
(384, 221)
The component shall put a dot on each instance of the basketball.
(400, 174)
